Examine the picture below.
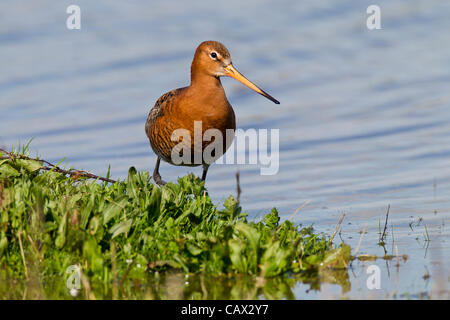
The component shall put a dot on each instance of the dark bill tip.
(268, 96)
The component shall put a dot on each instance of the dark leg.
(205, 171)
(156, 176)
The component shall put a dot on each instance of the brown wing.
(158, 109)
(158, 126)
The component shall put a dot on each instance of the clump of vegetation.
(132, 228)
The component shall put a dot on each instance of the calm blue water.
(364, 115)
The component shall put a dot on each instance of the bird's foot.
(158, 180)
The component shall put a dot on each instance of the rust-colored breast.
(177, 110)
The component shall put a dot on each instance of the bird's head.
(212, 58)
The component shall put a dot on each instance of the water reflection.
(174, 286)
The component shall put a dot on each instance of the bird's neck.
(202, 79)
(206, 85)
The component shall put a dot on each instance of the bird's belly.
(191, 143)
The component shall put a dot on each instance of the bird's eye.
(213, 55)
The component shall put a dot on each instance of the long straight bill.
(232, 72)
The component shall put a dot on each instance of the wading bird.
(203, 100)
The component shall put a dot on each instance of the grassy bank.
(132, 229)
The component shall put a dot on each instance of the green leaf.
(275, 259)
(3, 243)
(194, 250)
(132, 189)
(87, 210)
(7, 171)
(61, 237)
(155, 201)
(120, 228)
(93, 254)
(29, 165)
(112, 210)
(237, 256)
(271, 220)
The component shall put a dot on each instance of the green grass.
(132, 229)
